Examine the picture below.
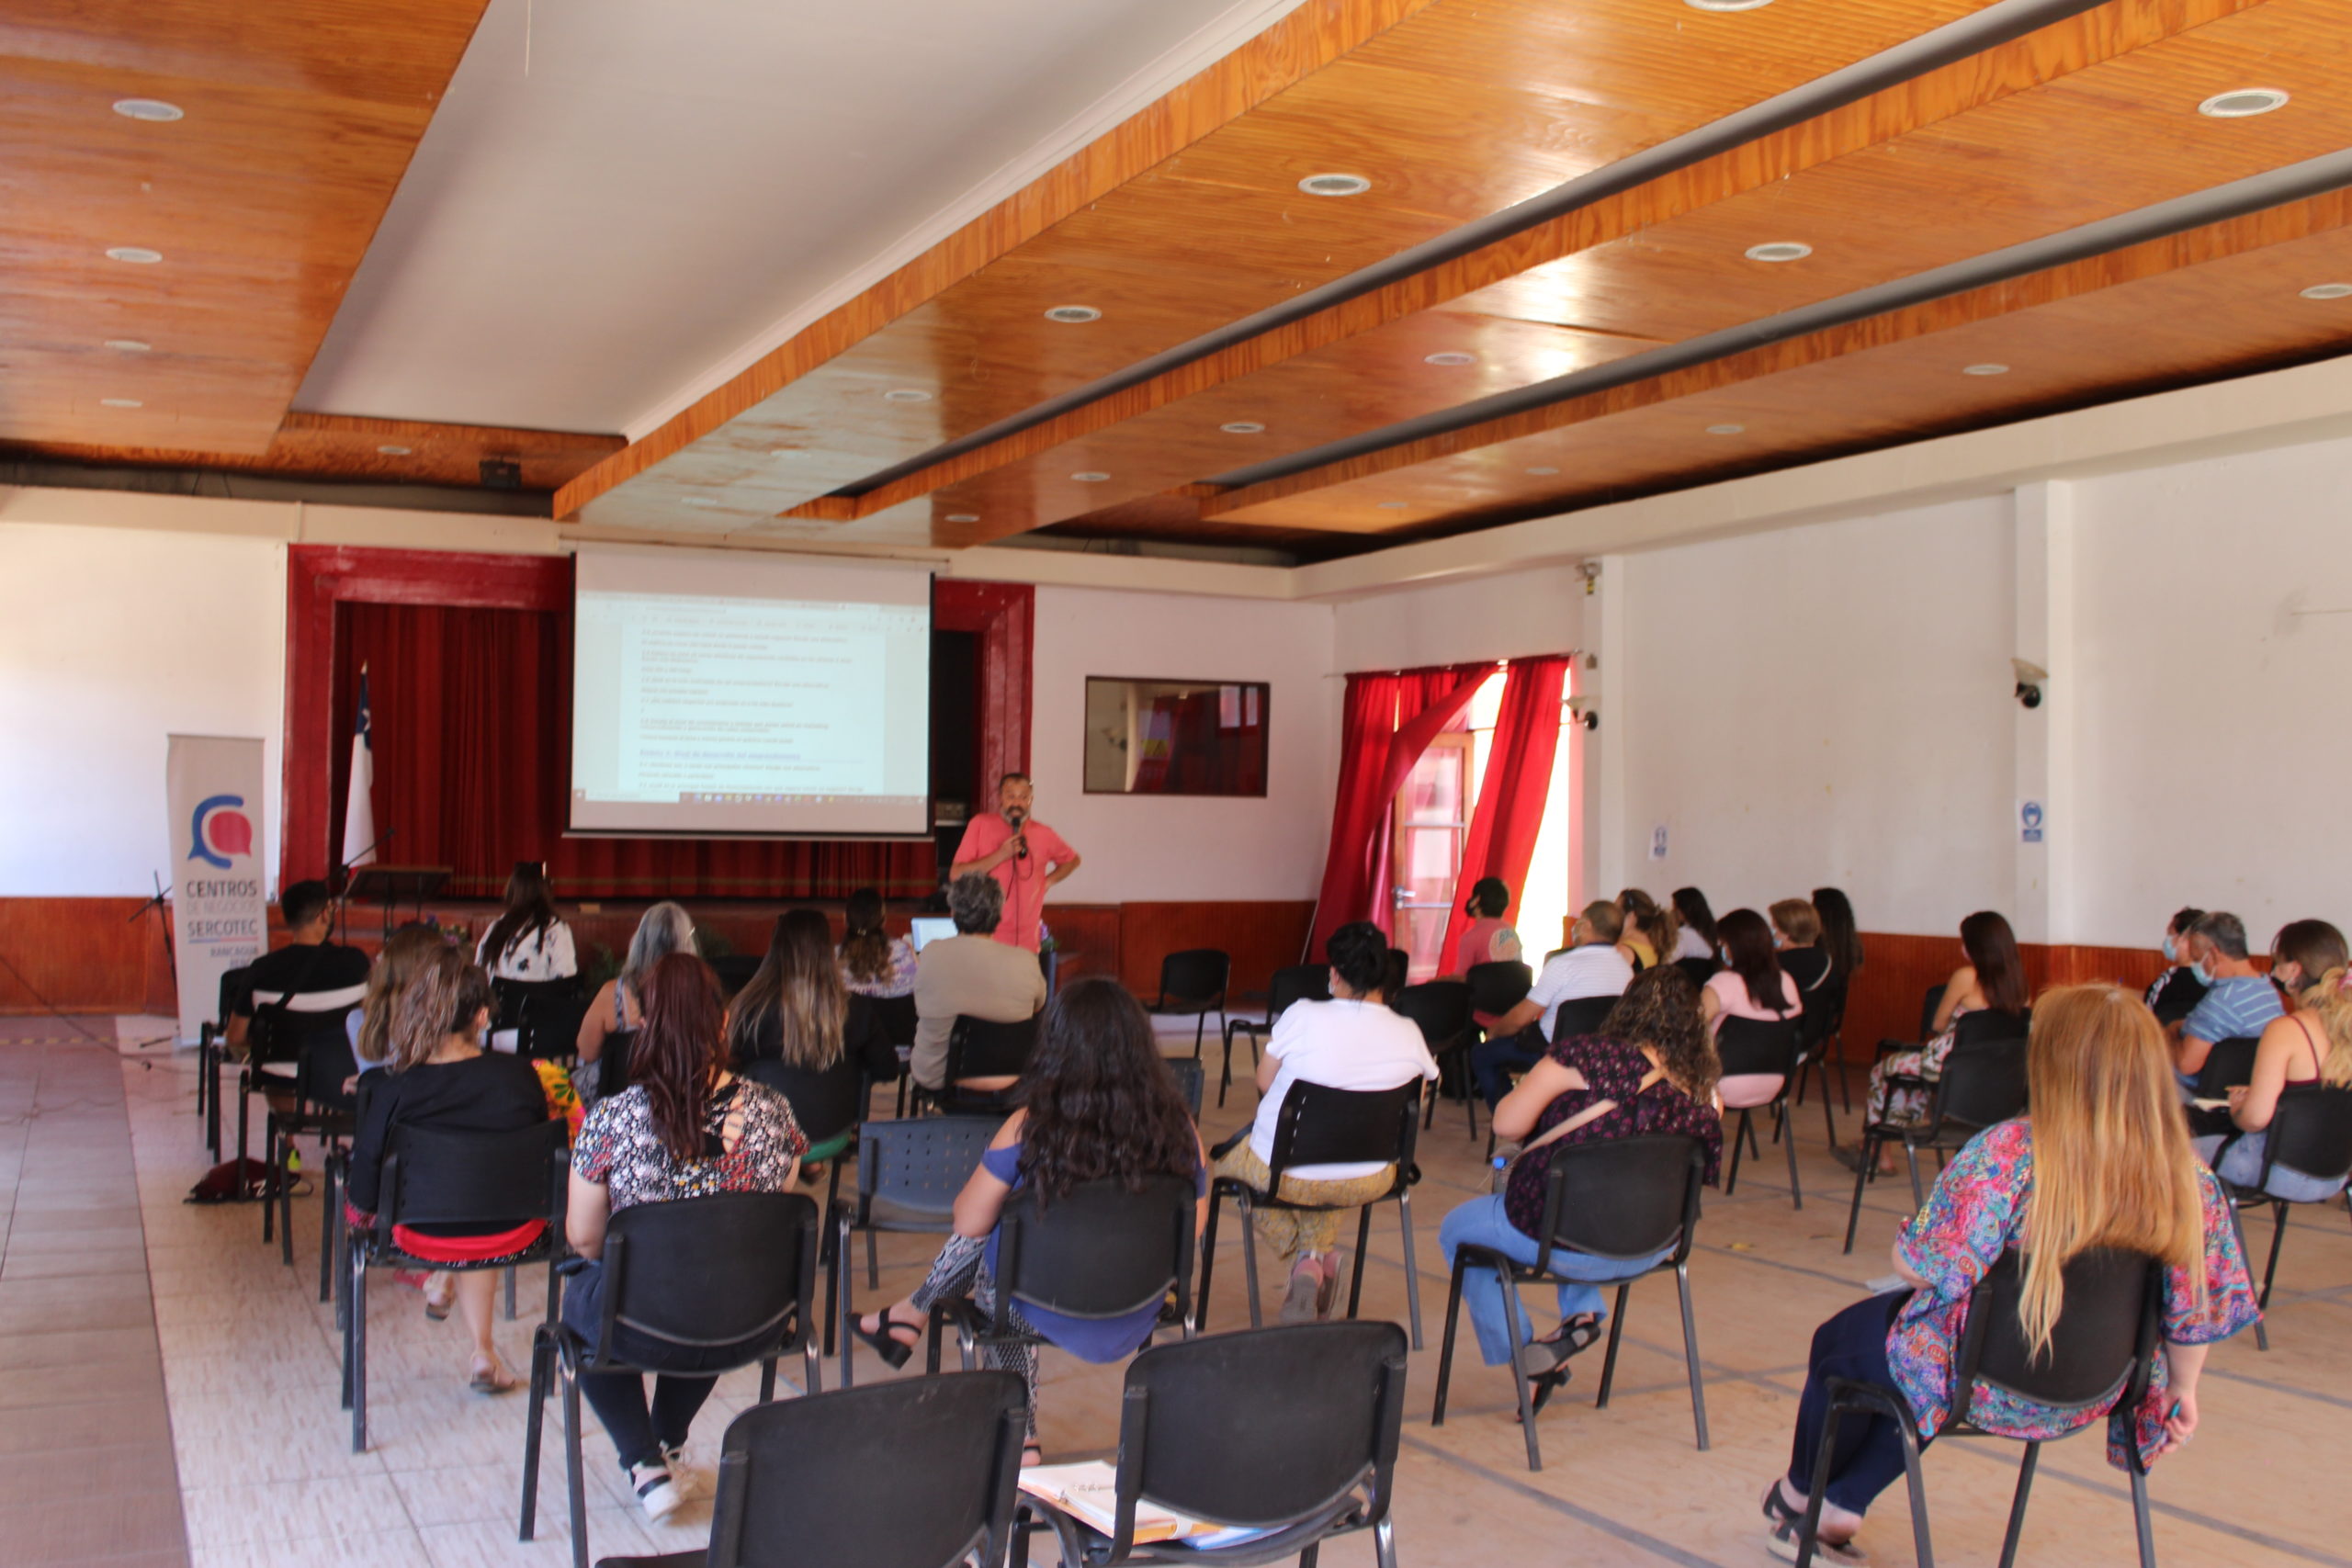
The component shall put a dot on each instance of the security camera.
(2029, 678)
(1581, 710)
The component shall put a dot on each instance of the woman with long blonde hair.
(2310, 1043)
(799, 1029)
(2102, 1161)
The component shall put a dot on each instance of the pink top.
(1489, 939)
(1023, 880)
(1732, 999)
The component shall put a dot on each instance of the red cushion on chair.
(467, 1249)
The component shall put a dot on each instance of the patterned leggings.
(960, 1270)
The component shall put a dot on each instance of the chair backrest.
(2310, 1132)
(1266, 1427)
(729, 1268)
(1584, 1015)
(1321, 1126)
(326, 1064)
(1099, 1250)
(1442, 1009)
(1194, 978)
(919, 1166)
(1186, 1071)
(1400, 969)
(1623, 1198)
(2101, 1343)
(826, 1104)
(515, 996)
(1986, 1025)
(735, 970)
(1498, 986)
(545, 1014)
(2228, 1064)
(1297, 983)
(1701, 970)
(435, 1175)
(282, 1033)
(913, 1472)
(979, 1048)
(1758, 1045)
(897, 1016)
(613, 1062)
(1983, 1082)
(1929, 1003)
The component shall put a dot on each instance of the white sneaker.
(656, 1490)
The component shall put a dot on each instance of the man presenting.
(1024, 856)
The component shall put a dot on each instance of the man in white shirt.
(1592, 966)
(1353, 1042)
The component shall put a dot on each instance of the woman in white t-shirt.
(529, 941)
(1351, 1042)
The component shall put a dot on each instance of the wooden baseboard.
(83, 955)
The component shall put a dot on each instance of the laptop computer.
(927, 929)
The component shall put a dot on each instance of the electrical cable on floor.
(112, 1047)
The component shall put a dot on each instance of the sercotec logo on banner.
(219, 903)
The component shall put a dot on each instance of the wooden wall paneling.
(1087, 936)
(1261, 937)
(82, 956)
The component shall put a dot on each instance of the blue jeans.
(1869, 1456)
(1482, 1223)
(1492, 1058)
(2241, 1166)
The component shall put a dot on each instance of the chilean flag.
(359, 810)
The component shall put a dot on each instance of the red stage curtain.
(1501, 841)
(472, 739)
(1388, 721)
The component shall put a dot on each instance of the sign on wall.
(219, 919)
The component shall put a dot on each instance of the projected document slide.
(696, 713)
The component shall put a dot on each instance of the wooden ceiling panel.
(330, 447)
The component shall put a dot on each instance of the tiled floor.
(248, 1358)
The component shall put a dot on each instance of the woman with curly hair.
(1652, 1068)
(1098, 1104)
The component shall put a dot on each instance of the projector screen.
(725, 692)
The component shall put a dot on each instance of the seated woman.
(1992, 977)
(1649, 931)
(436, 1075)
(530, 940)
(370, 1026)
(1796, 928)
(2102, 1161)
(2176, 991)
(1651, 1069)
(2310, 1045)
(685, 1127)
(873, 963)
(797, 1029)
(1750, 985)
(1841, 934)
(1694, 920)
(661, 929)
(1487, 939)
(1353, 1041)
(1099, 1104)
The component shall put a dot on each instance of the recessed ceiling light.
(1725, 429)
(1243, 427)
(120, 404)
(148, 108)
(1727, 4)
(138, 255)
(1073, 314)
(2243, 102)
(2328, 291)
(1335, 185)
(1392, 506)
(1449, 357)
(700, 501)
(1542, 472)
(393, 451)
(132, 345)
(962, 517)
(1090, 477)
(906, 395)
(1779, 251)
(1983, 369)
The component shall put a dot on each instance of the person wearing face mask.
(2177, 990)
(2239, 999)
(2311, 1043)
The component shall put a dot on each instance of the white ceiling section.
(620, 202)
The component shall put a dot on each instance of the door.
(1431, 817)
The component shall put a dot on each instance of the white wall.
(110, 640)
(1540, 611)
(1163, 847)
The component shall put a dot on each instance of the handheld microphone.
(1021, 849)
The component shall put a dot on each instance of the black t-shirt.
(303, 968)
(2175, 997)
(490, 1093)
(865, 1046)
(1808, 966)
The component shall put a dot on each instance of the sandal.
(1575, 1335)
(1785, 1539)
(1541, 1386)
(437, 1307)
(885, 1340)
(493, 1379)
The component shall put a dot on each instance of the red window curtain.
(473, 739)
(1388, 722)
(1501, 842)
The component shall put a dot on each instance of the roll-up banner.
(219, 916)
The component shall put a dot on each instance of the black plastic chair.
(1824, 1042)
(1192, 982)
(1760, 1045)
(1441, 1010)
(921, 1473)
(908, 1174)
(980, 1048)
(1983, 1083)
(544, 1014)
(1498, 986)
(1293, 983)
(2102, 1348)
(1098, 1251)
(2310, 1132)
(1400, 969)
(2228, 1065)
(314, 1105)
(1289, 1431)
(1584, 1015)
(276, 1037)
(735, 1269)
(1190, 1080)
(1701, 970)
(497, 1180)
(832, 1105)
(1623, 1198)
(1321, 1126)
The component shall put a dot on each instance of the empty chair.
(908, 1176)
(2309, 1138)
(1321, 1126)
(806, 1482)
(1760, 1064)
(1292, 983)
(1193, 983)
(1441, 1010)
(1983, 1083)
(724, 1281)
(1287, 1433)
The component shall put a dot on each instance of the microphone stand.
(158, 903)
(343, 877)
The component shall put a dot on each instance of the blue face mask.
(2204, 976)
(2171, 956)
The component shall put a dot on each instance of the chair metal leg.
(330, 1232)
(1248, 1220)
(534, 1419)
(575, 1483)
(1810, 1526)
(269, 1160)
(358, 1355)
(1383, 1542)
(873, 1264)
(1363, 1246)
(840, 1267)
(1512, 1311)
(1911, 1157)
(1922, 1546)
(1445, 1350)
(1747, 1130)
(287, 1156)
(510, 1292)
(1412, 1270)
(813, 1367)
(1797, 1185)
(767, 1381)
(1738, 1144)
(1208, 1262)
(1689, 1352)
(1861, 1175)
(2017, 1504)
(2143, 1524)
(1225, 1073)
(2278, 1240)
(1609, 1361)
